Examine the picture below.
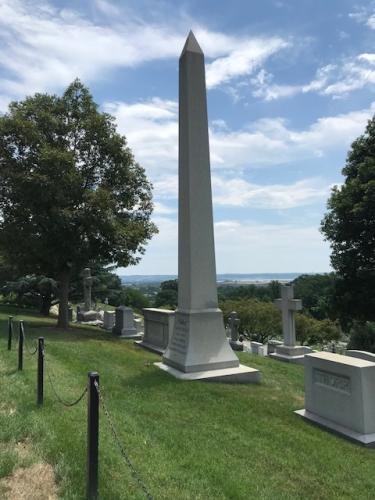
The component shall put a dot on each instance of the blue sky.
(290, 86)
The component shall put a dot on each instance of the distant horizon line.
(235, 274)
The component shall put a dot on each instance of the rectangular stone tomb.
(369, 356)
(339, 395)
(124, 324)
(158, 327)
(291, 354)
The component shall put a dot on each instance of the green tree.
(362, 336)
(349, 226)
(316, 292)
(134, 298)
(31, 290)
(258, 320)
(167, 296)
(70, 190)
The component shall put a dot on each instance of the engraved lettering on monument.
(179, 339)
(332, 380)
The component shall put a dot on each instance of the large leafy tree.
(70, 189)
(349, 225)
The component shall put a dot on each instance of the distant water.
(221, 278)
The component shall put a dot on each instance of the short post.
(10, 332)
(40, 376)
(92, 436)
(20, 346)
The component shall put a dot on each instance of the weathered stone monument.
(198, 348)
(271, 346)
(289, 351)
(339, 395)
(109, 320)
(124, 323)
(234, 323)
(87, 285)
(158, 327)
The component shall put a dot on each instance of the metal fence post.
(92, 436)
(10, 332)
(20, 346)
(40, 376)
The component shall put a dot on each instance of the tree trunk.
(64, 283)
(45, 306)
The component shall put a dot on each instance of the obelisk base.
(239, 375)
(199, 349)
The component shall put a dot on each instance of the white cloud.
(161, 209)
(365, 15)
(152, 131)
(335, 80)
(243, 60)
(45, 48)
(240, 193)
(242, 247)
(371, 22)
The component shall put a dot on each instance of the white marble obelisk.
(198, 347)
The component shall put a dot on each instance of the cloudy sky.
(290, 86)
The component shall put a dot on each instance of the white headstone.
(255, 346)
(109, 319)
(289, 351)
(198, 347)
(158, 326)
(339, 395)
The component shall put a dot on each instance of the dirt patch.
(23, 448)
(6, 410)
(32, 483)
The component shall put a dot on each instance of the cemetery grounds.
(186, 440)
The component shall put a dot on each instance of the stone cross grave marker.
(289, 351)
(288, 306)
(87, 286)
(234, 323)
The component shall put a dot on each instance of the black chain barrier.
(121, 447)
(29, 351)
(60, 399)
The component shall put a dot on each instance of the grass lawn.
(188, 440)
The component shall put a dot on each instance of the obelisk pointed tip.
(191, 45)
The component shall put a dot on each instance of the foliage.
(35, 291)
(258, 320)
(311, 331)
(316, 292)
(362, 336)
(71, 192)
(349, 226)
(261, 321)
(266, 292)
(134, 298)
(148, 408)
(167, 296)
